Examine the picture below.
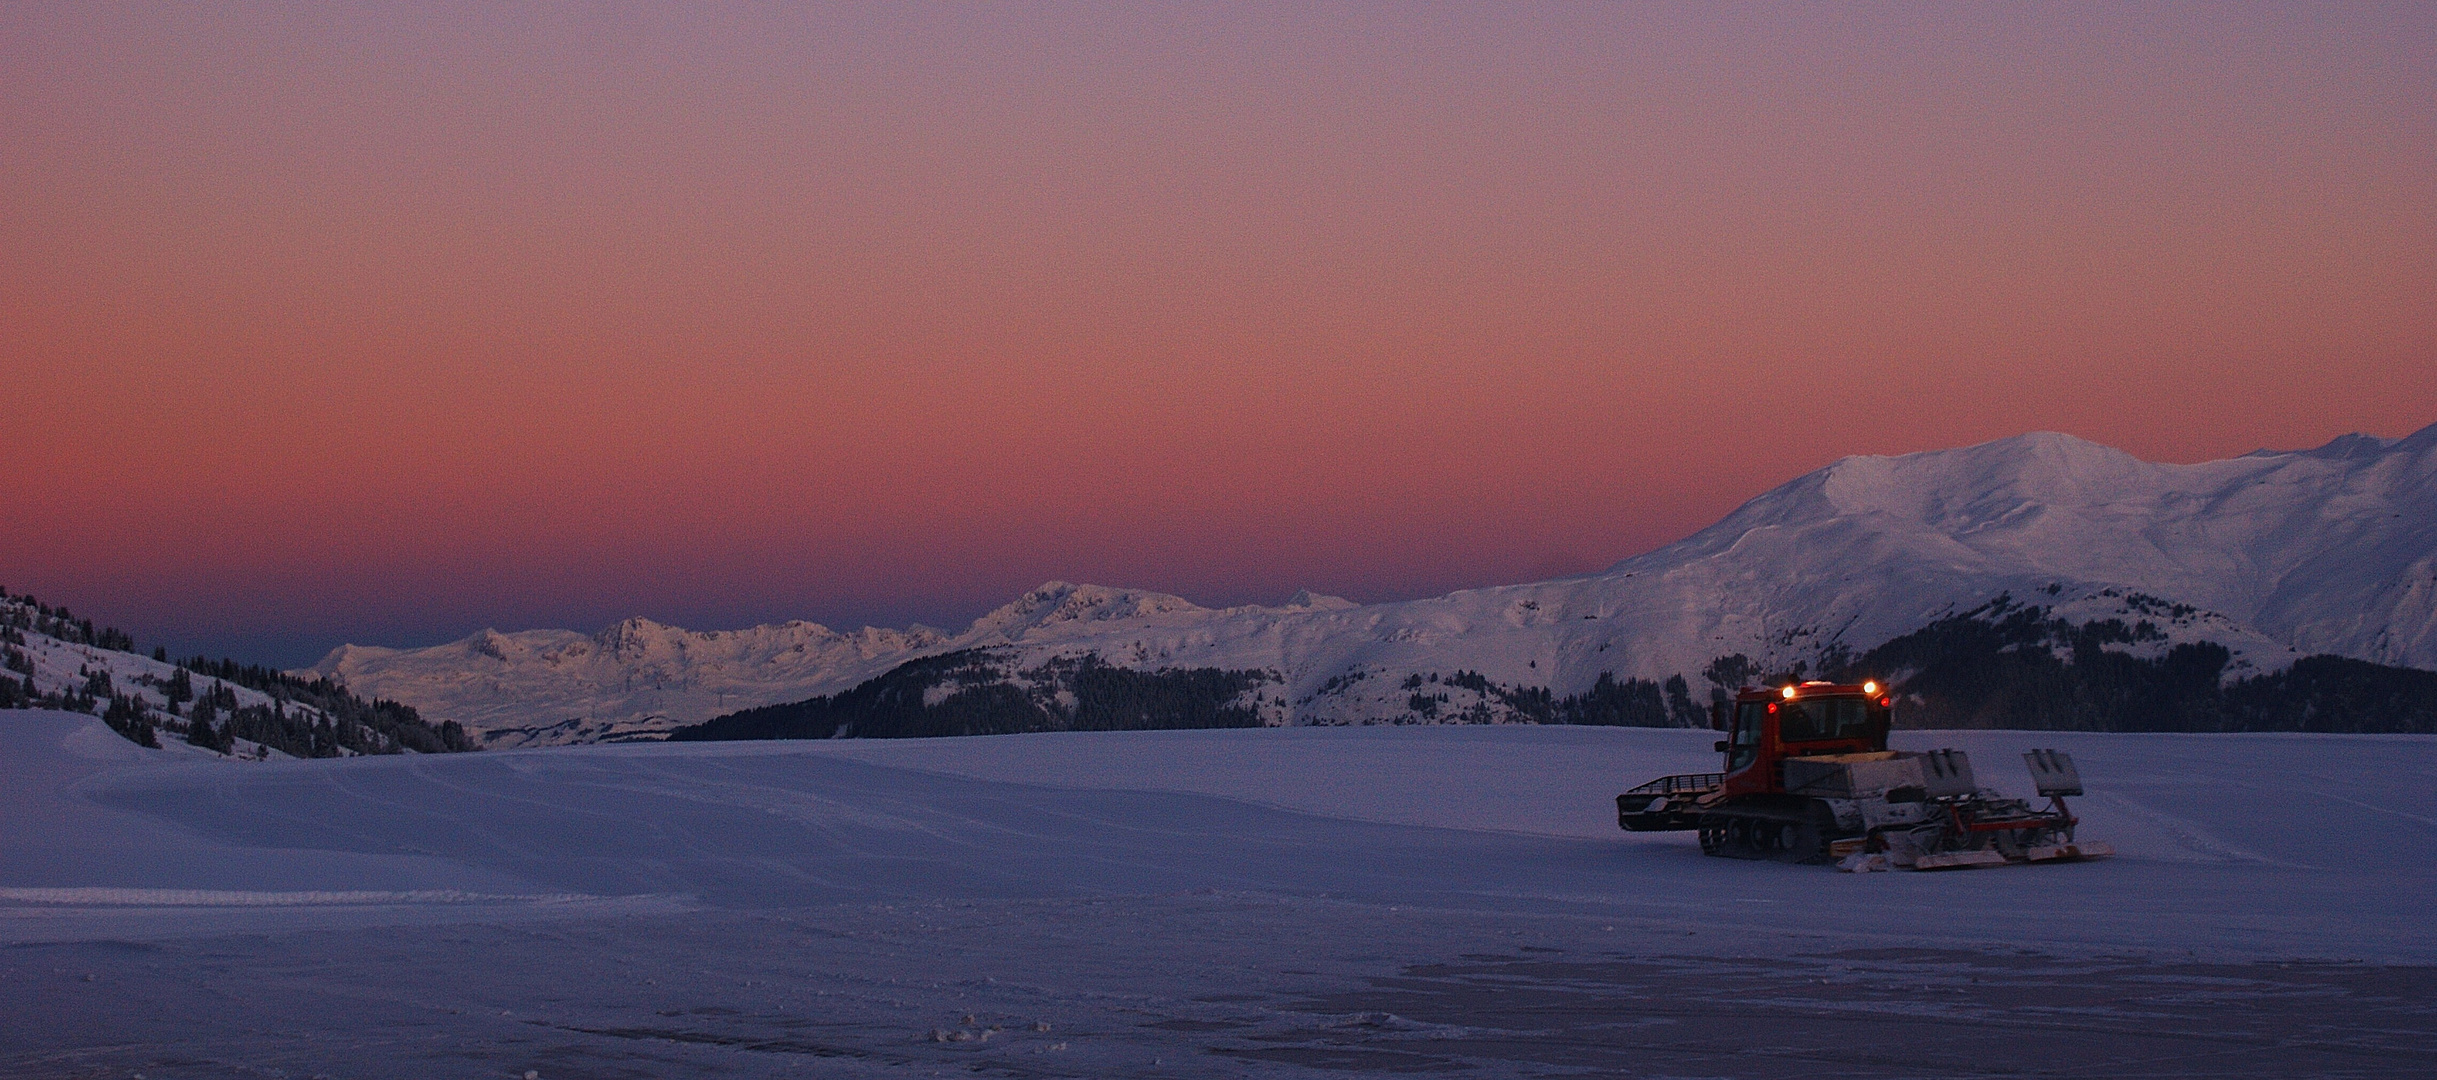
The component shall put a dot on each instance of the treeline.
(969, 693)
(26, 613)
(2011, 665)
(1607, 703)
(93, 692)
(352, 722)
(312, 729)
(303, 718)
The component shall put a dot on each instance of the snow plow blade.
(2068, 852)
(1958, 860)
(1862, 862)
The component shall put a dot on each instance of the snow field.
(1218, 903)
(2254, 845)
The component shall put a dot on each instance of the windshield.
(1823, 718)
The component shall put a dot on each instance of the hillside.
(55, 660)
(2267, 558)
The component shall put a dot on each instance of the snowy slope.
(62, 667)
(2273, 555)
(1210, 903)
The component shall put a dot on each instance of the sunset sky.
(386, 323)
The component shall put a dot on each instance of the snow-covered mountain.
(2273, 555)
(552, 687)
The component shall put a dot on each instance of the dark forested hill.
(2011, 665)
(973, 693)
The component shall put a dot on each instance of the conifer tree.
(199, 733)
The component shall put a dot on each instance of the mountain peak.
(636, 635)
(1309, 600)
(2044, 454)
(2356, 446)
(1057, 603)
(1996, 477)
(490, 642)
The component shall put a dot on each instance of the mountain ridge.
(2274, 555)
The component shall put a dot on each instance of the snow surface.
(1205, 903)
(2274, 555)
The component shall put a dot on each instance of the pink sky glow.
(384, 323)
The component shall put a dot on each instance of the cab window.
(1823, 718)
(1746, 743)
